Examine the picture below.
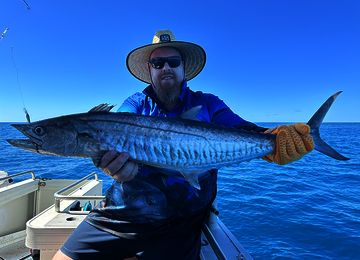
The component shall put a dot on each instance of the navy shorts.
(88, 242)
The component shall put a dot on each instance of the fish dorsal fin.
(191, 114)
(105, 107)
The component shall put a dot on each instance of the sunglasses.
(159, 62)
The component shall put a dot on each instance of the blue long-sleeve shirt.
(213, 109)
(152, 201)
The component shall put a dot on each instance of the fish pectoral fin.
(192, 178)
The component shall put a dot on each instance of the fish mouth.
(26, 144)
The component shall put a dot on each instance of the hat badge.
(165, 38)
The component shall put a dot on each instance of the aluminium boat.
(37, 215)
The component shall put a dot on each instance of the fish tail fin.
(315, 122)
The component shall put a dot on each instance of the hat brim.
(193, 54)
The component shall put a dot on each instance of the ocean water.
(309, 209)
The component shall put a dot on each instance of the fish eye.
(39, 130)
(150, 201)
(85, 135)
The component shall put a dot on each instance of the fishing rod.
(17, 76)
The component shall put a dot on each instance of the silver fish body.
(182, 144)
(187, 146)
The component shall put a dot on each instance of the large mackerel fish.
(182, 144)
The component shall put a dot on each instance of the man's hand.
(292, 143)
(117, 167)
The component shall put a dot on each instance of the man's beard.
(168, 94)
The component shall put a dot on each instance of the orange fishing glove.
(292, 143)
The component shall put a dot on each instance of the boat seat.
(48, 230)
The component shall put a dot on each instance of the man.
(146, 213)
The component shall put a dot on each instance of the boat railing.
(18, 174)
(59, 197)
(213, 243)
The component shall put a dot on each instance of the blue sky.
(270, 61)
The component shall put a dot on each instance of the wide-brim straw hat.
(193, 54)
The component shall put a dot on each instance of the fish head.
(140, 201)
(49, 137)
